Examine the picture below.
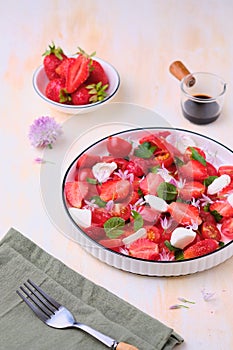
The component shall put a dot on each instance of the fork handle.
(105, 339)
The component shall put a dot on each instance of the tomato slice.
(210, 230)
(153, 233)
(121, 210)
(162, 154)
(227, 228)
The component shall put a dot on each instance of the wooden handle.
(179, 71)
(124, 346)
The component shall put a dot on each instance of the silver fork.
(57, 316)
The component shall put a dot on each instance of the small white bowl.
(40, 81)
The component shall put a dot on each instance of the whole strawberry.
(97, 74)
(86, 94)
(53, 58)
(56, 91)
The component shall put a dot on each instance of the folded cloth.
(91, 304)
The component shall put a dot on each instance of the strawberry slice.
(185, 214)
(193, 170)
(77, 73)
(223, 208)
(143, 248)
(87, 160)
(150, 183)
(114, 190)
(192, 189)
(62, 69)
(201, 248)
(75, 192)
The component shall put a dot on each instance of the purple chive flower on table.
(44, 132)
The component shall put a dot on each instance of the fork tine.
(37, 302)
(46, 296)
(33, 307)
(43, 301)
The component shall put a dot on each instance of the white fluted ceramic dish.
(221, 154)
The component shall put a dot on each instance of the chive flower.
(44, 132)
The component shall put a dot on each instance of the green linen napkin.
(21, 259)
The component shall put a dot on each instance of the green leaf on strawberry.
(113, 227)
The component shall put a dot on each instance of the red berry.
(53, 58)
(201, 248)
(75, 192)
(55, 91)
(97, 74)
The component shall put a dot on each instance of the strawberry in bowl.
(76, 84)
(160, 200)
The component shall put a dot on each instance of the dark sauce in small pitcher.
(201, 113)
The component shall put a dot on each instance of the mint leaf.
(154, 169)
(196, 156)
(206, 207)
(113, 227)
(145, 150)
(178, 161)
(177, 251)
(209, 180)
(167, 191)
(91, 181)
(179, 255)
(218, 217)
(169, 246)
(138, 220)
(99, 201)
